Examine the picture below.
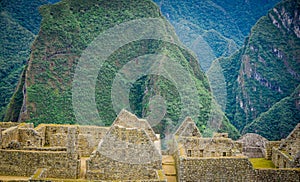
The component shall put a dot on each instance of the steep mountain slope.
(68, 29)
(213, 28)
(265, 71)
(19, 24)
(280, 119)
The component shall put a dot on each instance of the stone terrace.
(129, 150)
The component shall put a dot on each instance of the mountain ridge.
(265, 70)
(67, 28)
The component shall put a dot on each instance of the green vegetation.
(14, 107)
(213, 28)
(281, 118)
(261, 163)
(262, 76)
(14, 50)
(19, 21)
(67, 28)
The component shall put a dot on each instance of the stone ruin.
(254, 145)
(189, 140)
(221, 159)
(130, 150)
(126, 152)
(287, 155)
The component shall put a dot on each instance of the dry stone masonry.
(130, 150)
(287, 155)
(254, 145)
(220, 159)
(127, 152)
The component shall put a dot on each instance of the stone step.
(168, 159)
(82, 167)
(171, 178)
(14, 178)
(169, 170)
(168, 165)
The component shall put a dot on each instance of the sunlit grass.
(259, 163)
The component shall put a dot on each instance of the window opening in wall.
(201, 153)
(189, 153)
(213, 154)
(284, 164)
(224, 154)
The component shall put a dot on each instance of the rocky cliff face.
(268, 70)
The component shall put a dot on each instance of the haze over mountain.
(262, 77)
(213, 28)
(68, 28)
(255, 78)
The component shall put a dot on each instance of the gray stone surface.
(254, 145)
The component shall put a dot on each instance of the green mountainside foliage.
(281, 119)
(20, 22)
(230, 69)
(213, 28)
(264, 72)
(13, 54)
(67, 29)
(24, 12)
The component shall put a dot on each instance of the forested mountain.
(20, 22)
(213, 28)
(68, 28)
(256, 85)
(261, 78)
(279, 120)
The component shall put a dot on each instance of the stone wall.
(254, 152)
(129, 120)
(8, 136)
(290, 148)
(56, 135)
(89, 138)
(5, 125)
(209, 147)
(125, 154)
(269, 147)
(105, 168)
(20, 136)
(292, 143)
(254, 145)
(281, 159)
(29, 137)
(228, 169)
(214, 169)
(25, 163)
(271, 175)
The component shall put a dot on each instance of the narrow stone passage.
(82, 167)
(168, 165)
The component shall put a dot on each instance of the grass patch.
(259, 163)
